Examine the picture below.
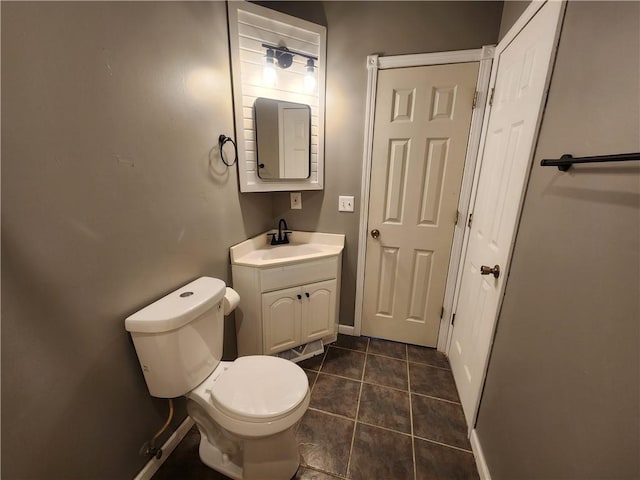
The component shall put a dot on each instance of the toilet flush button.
(186, 294)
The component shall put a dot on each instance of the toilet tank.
(179, 338)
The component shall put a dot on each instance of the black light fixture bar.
(286, 50)
(566, 160)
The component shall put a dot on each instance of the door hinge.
(442, 312)
(457, 217)
(470, 220)
(453, 319)
(475, 100)
(493, 90)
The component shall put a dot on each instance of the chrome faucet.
(281, 237)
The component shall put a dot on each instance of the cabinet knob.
(299, 297)
(307, 294)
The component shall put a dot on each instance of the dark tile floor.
(378, 410)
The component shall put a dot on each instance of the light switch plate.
(346, 203)
(296, 200)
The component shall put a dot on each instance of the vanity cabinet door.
(318, 310)
(281, 313)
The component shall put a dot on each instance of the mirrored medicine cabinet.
(285, 152)
(283, 139)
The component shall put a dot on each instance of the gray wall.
(510, 13)
(355, 30)
(561, 398)
(110, 112)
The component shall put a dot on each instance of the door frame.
(482, 55)
(533, 8)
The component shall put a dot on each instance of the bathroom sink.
(303, 246)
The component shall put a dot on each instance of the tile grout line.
(326, 472)
(419, 362)
(326, 412)
(318, 372)
(365, 381)
(387, 356)
(332, 414)
(436, 398)
(315, 381)
(444, 444)
(346, 348)
(324, 357)
(413, 440)
(355, 423)
(386, 429)
(431, 366)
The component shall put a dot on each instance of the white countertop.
(302, 246)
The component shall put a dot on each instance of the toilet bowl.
(246, 410)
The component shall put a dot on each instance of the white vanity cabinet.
(298, 315)
(289, 294)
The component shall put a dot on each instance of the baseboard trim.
(172, 442)
(481, 463)
(347, 330)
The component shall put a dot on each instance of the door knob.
(375, 233)
(495, 271)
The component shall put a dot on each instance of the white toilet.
(246, 410)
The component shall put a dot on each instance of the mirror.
(283, 139)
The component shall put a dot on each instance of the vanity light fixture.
(283, 57)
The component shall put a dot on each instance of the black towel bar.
(566, 160)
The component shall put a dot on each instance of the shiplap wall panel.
(249, 27)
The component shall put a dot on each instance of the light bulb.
(310, 82)
(269, 75)
(310, 76)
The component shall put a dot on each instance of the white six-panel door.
(521, 80)
(422, 123)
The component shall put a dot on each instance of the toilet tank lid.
(177, 308)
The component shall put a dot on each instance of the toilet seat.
(255, 396)
(260, 387)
